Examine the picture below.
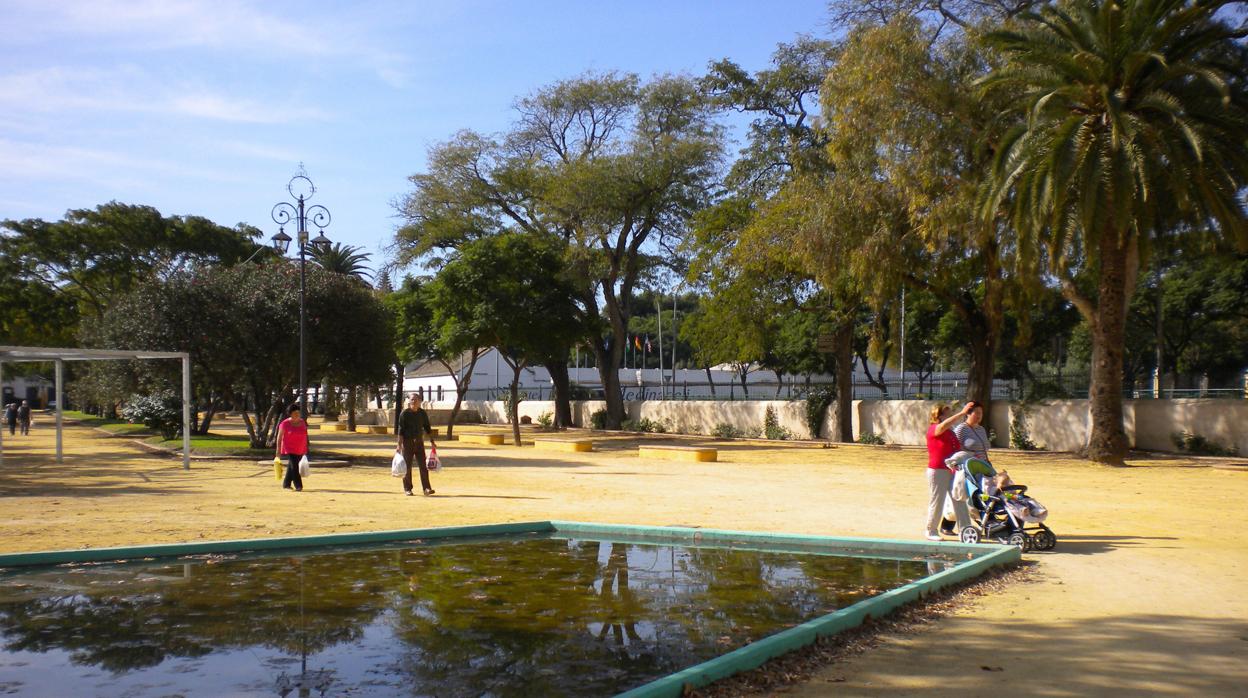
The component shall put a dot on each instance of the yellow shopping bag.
(279, 468)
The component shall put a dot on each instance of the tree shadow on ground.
(1141, 654)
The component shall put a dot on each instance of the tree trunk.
(563, 392)
(1108, 441)
(515, 401)
(609, 372)
(982, 349)
(710, 381)
(845, 383)
(351, 394)
(461, 388)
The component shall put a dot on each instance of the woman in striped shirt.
(972, 434)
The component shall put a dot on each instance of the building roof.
(432, 367)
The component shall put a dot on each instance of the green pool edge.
(980, 558)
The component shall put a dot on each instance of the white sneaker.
(933, 536)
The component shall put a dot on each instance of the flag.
(647, 343)
(637, 342)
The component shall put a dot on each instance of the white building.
(491, 378)
(37, 390)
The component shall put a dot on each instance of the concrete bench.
(691, 453)
(489, 439)
(573, 445)
(334, 426)
(372, 429)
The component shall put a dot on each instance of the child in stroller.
(1001, 510)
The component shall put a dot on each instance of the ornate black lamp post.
(301, 189)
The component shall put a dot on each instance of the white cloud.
(22, 160)
(130, 89)
(259, 151)
(236, 27)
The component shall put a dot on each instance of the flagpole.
(658, 310)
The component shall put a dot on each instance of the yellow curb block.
(692, 453)
(574, 445)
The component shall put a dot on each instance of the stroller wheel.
(970, 535)
(1044, 540)
(1020, 540)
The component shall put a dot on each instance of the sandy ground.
(1145, 594)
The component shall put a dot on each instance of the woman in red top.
(292, 444)
(942, 443)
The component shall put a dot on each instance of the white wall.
(1061, 425)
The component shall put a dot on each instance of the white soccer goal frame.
(59, 355)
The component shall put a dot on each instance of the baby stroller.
(1007, 516)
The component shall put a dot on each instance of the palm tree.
(1132, 123)
(343, 259)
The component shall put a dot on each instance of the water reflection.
(539, 616)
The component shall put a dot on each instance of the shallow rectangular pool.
(546, 609)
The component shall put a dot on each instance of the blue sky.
(208, 107)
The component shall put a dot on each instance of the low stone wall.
(1061, 425)
(436, 417)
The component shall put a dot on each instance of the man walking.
(10, 416)
(413, 425)
(23, 417)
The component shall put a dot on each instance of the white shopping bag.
(304, 469)
(398, 466)
(433, 462)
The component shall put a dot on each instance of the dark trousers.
(415, 448)
(12, 427)
(25, 427)
(292, 471)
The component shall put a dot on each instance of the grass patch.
(115, 426)
(214, 445)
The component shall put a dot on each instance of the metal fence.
(1044, 387)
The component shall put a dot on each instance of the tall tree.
(1131, 121)
(517, 287)
(419, 338)
(907, 138)
(609, 165)
(245, 337)
(343, 259)
(786, 154)
(92, 256)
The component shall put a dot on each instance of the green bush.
(546, 419)
(723, 430)
(870, 437)
(650, 426)
(771, 426)
(1198, 445)
(1020, 435)
(817, 402)
(160, 411)
(598, 420)
(521, 396)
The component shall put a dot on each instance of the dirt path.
(1144, 594)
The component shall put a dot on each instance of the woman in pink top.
(942, 443)
(292, 445)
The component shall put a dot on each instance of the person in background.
(292, 445)
(413, 425)
(942, 443)
(10, 416)
(23, 417)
